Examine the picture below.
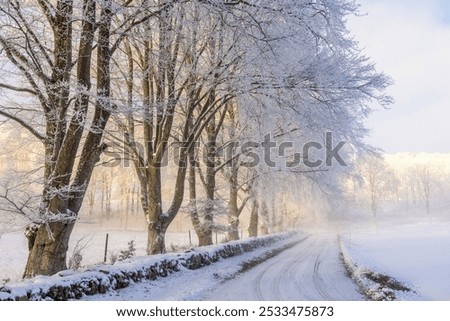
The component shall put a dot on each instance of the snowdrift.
(374, 285)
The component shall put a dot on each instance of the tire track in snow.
(318, 280)
(257, 286)
(311, 270)
(294, 268)
(275, 283)
(309, 284)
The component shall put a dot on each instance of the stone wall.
(69, 285)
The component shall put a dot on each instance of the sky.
(409, 40)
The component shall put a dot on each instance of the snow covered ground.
(14, 248)
(417, 254)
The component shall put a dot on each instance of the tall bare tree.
(49, 48)
(425, 175)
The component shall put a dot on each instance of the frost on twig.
(77, 256)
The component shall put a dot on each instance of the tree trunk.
(210, 184)
(233, 230)
(203, 230)
(48, 246)
(48, 253)
(158, 222)
(253, 227)
(264, 230)
(233, 227)
(156, 234)
(155, 218)
(233, 210)
(204, 237)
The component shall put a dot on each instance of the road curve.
(309, 271)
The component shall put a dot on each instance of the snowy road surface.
(311, 270)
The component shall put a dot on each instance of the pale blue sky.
(445, 9)
(410, 41)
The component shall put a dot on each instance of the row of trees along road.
(86, 77)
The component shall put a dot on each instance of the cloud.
(409, 41)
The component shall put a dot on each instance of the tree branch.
(24, 124)
(47, 8)
(18, 89)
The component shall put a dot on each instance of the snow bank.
(374, 285)
(415, 252)
(67, 285)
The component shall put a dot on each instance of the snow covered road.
(311, 270)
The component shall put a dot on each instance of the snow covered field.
(416, 254)
(14, 249)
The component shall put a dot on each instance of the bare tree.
(177, 106)
(49, 48)
(425, 175)
(376, 175)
